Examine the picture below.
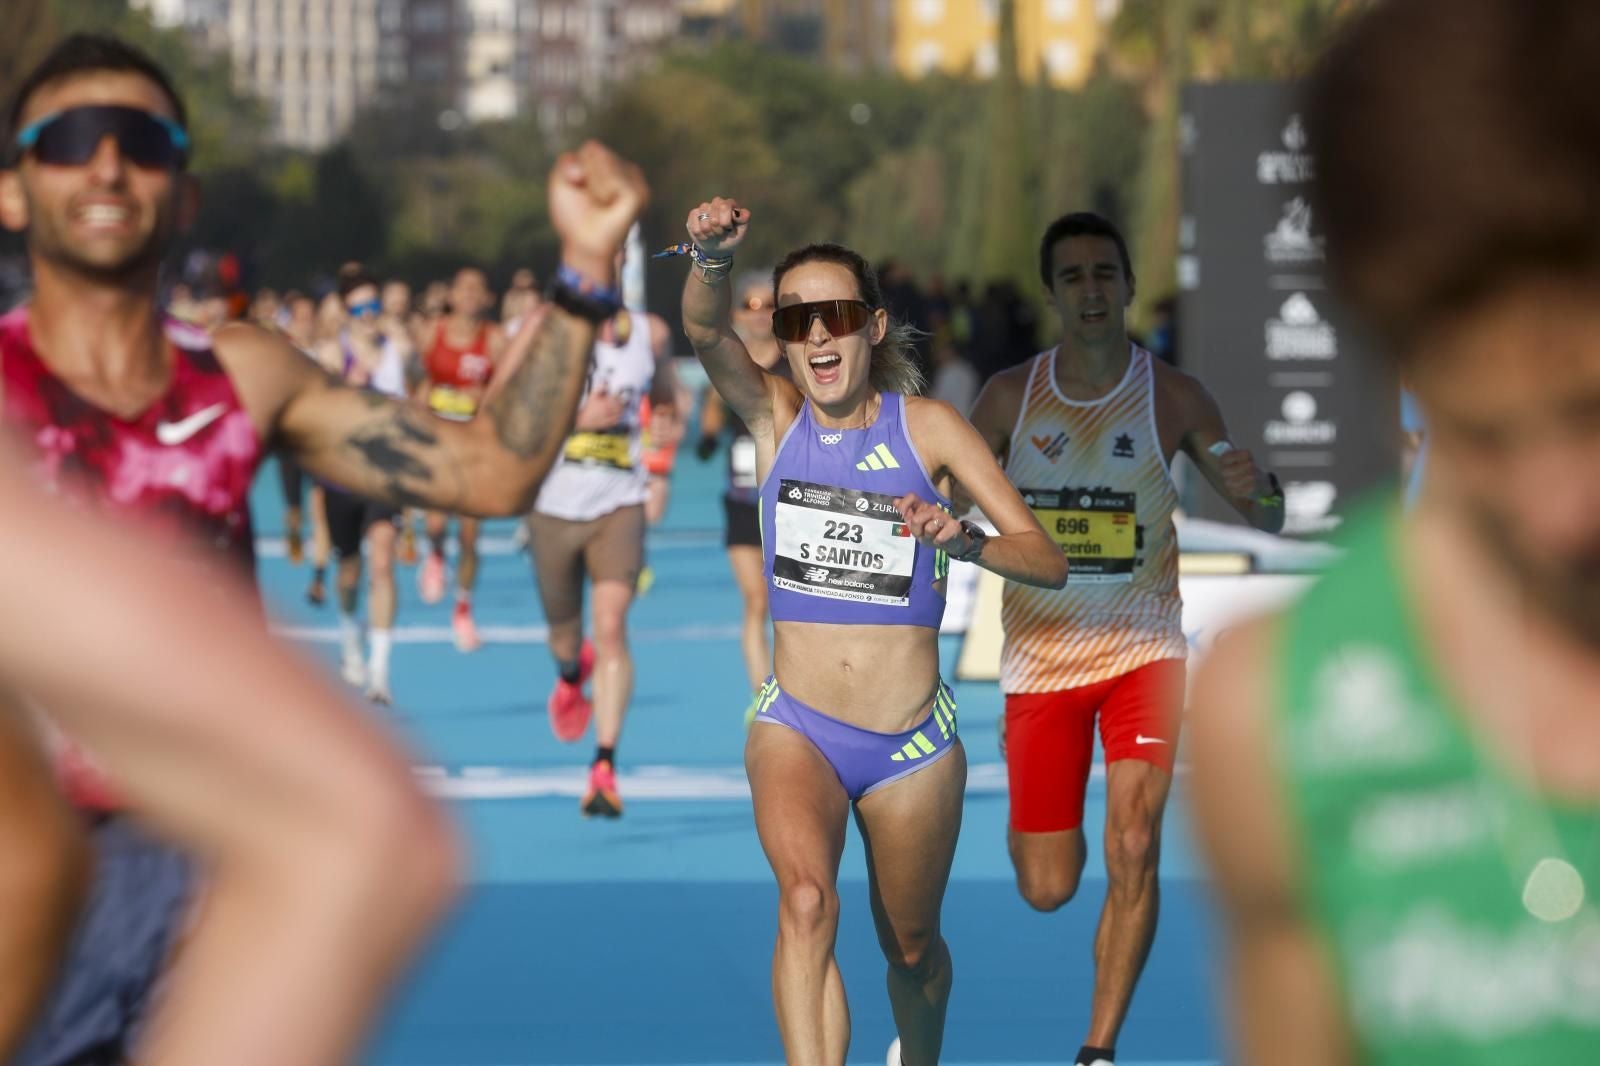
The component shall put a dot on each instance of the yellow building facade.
(1058, 38)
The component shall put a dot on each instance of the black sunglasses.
(839, 318)
(69, 138)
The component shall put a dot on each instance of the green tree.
(1008, 209)
(346, 217)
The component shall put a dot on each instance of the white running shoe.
(893, 1058)
(353, 668)
(378, 694)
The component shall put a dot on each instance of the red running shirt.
(183, 466)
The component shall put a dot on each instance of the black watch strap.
(977, 538)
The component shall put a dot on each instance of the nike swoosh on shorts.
(1140, 738)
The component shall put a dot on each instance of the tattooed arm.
(387, 450)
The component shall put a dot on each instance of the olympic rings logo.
(830, 438)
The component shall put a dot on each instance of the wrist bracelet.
(712, 268)
(1275, 497)
(577, 295)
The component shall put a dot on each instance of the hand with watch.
(936, 527)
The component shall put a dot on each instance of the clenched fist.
(595, 197)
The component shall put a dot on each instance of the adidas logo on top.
(879, 458)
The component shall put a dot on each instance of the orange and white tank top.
(1095, 476)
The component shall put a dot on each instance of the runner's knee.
(808, 908)
(1132, 849)
(915, 951)
(1047, 883)
(611, 634)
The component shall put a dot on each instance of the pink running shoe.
(602, 797)
(430, 578)
(466, 630)
(569, 711)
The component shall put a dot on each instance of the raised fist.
(595, 197)
(718, 227)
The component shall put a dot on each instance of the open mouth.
(104, 215)
(1092, 317)
(825, 367)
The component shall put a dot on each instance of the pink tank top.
(183, 466)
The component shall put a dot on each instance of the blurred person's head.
(436, 298)
(1084, 265)
(211, 310)
(469, 293)
(396, 298)
(521, 296)
(1458, 187)
(838, 338)
(180, 302)
(330, 317)
(264, 308)
(301, 324)
(95, 158)
(358, 291)
(753, 304)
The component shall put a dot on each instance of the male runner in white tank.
(1087, 432)
(589, 521)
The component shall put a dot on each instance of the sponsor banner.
(1257, 323)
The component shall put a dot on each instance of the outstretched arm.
(494, 464)
(717, 228)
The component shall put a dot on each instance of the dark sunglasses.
(69, 138)
(839, 318)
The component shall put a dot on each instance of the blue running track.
(649, 939)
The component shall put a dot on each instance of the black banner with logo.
(1257, 323)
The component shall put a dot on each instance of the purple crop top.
(835, 548)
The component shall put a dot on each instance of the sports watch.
(976, 539)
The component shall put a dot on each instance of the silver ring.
(702, 217)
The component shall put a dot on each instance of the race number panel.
(1095, 528)
(450, 403)
(600, 449)
(842, 544)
